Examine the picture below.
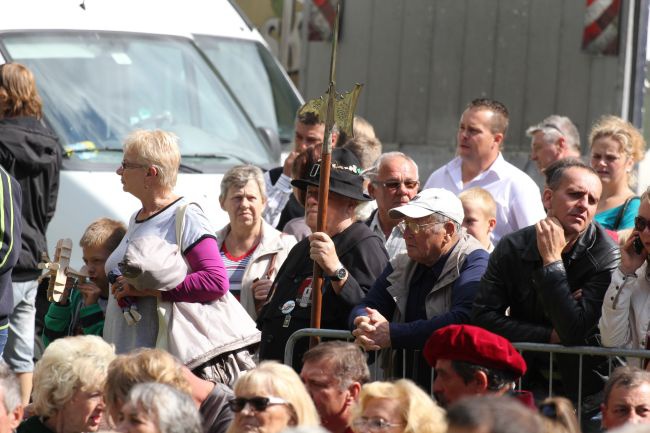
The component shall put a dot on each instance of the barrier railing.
(551, 349)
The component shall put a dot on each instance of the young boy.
(480, 214)
(83, 310)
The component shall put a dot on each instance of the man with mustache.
(553, 276)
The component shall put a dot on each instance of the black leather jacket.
(541, 297)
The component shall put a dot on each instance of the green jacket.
(72, 319)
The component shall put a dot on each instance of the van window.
(257, 81)
(99, 86)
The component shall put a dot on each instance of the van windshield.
(257, 81)
(99, 86)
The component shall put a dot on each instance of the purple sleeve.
(208, 281)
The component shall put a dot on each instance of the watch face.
(341, 273)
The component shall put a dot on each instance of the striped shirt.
(235, 267)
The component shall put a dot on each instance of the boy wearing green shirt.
(83, 310)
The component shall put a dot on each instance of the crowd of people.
(182, 328)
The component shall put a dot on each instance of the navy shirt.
(414, 333)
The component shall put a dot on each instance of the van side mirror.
(272, 140)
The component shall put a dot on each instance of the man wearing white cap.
(430, 286)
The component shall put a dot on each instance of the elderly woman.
(396, 407)
(270, 398)
(251, 249)
(148, 172)
(68, 382)
(159, 408)
(616, 145)
(350, 255)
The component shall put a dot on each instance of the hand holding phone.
(637, 244)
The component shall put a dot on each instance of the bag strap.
(271, 268)
(180, 225)
(619, 216)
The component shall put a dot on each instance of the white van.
(107, 67)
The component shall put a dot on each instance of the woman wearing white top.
(626, 307)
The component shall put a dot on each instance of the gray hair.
(372, 173)
(555, 127)
(625, 377)
(172, 410)
(349, 363)
(10, 388)
(238, 177)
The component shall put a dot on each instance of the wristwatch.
(339, 275)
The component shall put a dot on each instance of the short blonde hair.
(103, 232)
(629, 138)
(420, 413)
(158, 148)
(278, 380)
(18, 93)
(480, 197)
(69, 365)
(139, 366)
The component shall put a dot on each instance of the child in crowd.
(82, 311)
(480, 214)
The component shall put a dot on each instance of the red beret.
(474, 345)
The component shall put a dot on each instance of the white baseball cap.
(430, 201)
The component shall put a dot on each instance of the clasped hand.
(372, 332)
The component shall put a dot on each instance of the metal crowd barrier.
(551, 349)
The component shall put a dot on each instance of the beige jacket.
(272, 243)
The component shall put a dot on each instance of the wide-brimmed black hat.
(345, 176)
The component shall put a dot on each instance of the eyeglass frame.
(403, 225)
(395, 184)
(379, 424)
(257, 403)
(128, 165)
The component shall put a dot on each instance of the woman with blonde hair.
(270, 398)
(148, 172)
(396, 407)
(251, 249)
(616, 146)
(68, 386)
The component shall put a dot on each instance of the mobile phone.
(638, 245)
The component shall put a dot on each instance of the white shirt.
(519, 203)
(395, 243)
(277, 197)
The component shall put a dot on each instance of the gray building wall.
(421, 61)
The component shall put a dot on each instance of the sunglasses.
(393, 185)
(259, 404)
(373, 424)
(641, 223)
(549, 410)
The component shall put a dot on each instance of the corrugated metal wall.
(422, 60)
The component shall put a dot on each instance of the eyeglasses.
(259, 404)
(641, 223)
(373, 424)
(395, 184)
(126, 165)
(414, 227)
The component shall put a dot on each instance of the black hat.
(345, 176)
